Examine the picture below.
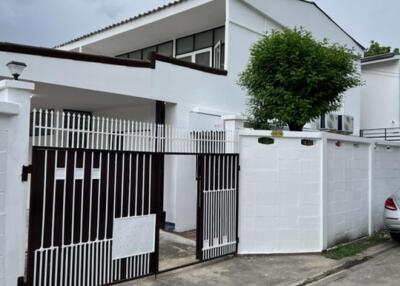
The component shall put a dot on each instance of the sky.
(51, 22)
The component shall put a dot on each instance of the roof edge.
(334, 22)
(68, 55)
(380, 57)
(120, 23)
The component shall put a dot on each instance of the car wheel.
(395, 236)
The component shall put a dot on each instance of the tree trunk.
(295, 127)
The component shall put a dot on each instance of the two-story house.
(202, 46)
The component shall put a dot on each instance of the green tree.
(376, 49)
(292, 78)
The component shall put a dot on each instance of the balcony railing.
(387, 134)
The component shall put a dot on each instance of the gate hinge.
(239, 168)
(26, 170)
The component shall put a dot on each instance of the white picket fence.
(70, 130)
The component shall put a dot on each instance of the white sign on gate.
(133, 236)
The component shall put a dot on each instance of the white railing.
(69, 130)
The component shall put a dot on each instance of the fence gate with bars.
(95, 196)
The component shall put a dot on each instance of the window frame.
(194, 53)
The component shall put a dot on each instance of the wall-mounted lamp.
(16, 68)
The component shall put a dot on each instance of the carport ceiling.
(60, 97)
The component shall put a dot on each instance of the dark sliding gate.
(96, 196)
(217, 214)
(92, 216)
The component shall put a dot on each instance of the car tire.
(395, 236)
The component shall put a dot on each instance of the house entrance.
(95, 199)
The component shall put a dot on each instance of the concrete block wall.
(279, 196)
(347, 191)
(296, 198)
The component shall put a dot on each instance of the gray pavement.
(383, 269)
(248, 271)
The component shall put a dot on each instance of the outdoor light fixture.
(16, 68)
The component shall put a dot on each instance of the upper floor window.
(166, 49)
(206, 48)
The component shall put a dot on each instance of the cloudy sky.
(50, 22)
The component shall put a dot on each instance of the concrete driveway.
(249, 271)
(383, 269)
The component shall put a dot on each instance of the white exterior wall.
(14, 142)
(280, 210)
(3, 170)
(347, 192)
(380, 101)
(295, 198)
(141, 112)
(248, 20)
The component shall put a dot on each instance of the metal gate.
(81, 201)
(96, 196)
(217, 213)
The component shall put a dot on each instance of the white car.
(392, 215)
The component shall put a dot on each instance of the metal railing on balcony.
(387, 134)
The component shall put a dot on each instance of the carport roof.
(174, 3)
(155, 10)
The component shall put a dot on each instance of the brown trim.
(181, 63)
(59, 54)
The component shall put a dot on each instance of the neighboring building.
(104, 72)
(380, 95)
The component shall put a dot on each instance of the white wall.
(14, 142)
(140, 112)
(295, 198)
(248, 20)
(380, 95)
(347, 192)
(3, 169)
(279, 196)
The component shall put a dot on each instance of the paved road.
(382, 270)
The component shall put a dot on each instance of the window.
(205, 48)
(165, 49)
(202, 57)
(219, 35)
(203, 40)
(135, 55)
(185, 45)
(146, 52)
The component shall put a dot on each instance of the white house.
(380, 96)
(202, 47)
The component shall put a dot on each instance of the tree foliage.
(293, 78)
(376, 49)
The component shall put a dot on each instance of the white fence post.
(14, 144)
(232, 123)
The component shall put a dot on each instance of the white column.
(232, 124)
(14, 144)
